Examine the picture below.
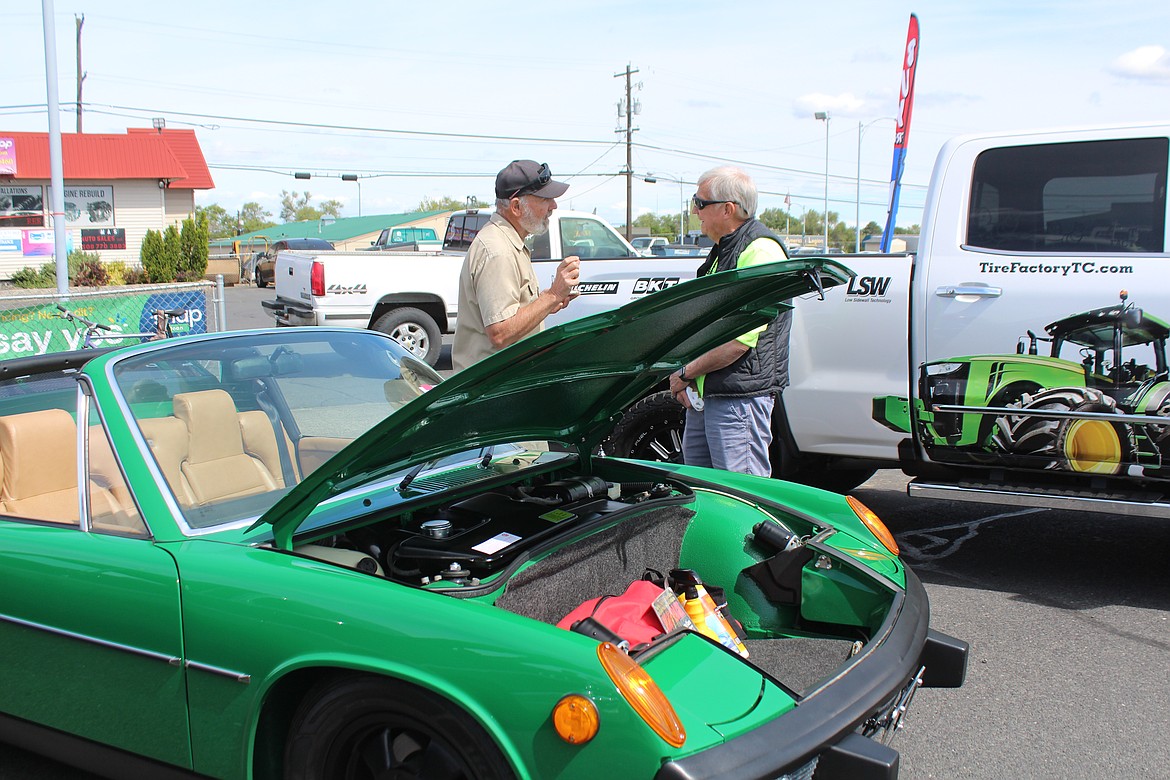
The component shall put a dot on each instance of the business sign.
(99, 239)
(40, 243)
(7, 155)
(22, 206)
(10, 240)
(89, 205)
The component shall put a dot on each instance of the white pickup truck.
(413, 295)
(1019, 357)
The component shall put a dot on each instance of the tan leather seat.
(217, 467)
(260, 442)
(167, 438)
(39, 453)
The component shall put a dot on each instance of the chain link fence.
(31, 323)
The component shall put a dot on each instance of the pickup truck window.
(1084, 197)
(590, 238)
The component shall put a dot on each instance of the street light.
(861, 131)
(354, 178)
(824, 115)
(652, 178)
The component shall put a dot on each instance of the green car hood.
(568, 383)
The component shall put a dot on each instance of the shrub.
(193, 237)
(91, 273)
(28, 278)
(154, 258)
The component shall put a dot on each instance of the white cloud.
(845, 104)
(1149, 63)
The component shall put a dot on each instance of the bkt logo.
(648, 285)
(337, 289)
(869, 285)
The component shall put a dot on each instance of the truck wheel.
(360, 726)
(650, 430)
(414, 330)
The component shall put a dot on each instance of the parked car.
(265, 262)
(298, 553)
(644, 244)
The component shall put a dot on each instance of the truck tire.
(414, 330)
(260, 281)
(651, 429)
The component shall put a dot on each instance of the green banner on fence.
(37, 330)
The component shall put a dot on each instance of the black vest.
(762, 370)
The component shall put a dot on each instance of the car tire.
(651, 429)
(834, 480)
(261, 282)
(361, 726)
(414, 330)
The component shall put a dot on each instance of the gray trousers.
(732, 434)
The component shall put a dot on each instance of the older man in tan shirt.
(500, 300)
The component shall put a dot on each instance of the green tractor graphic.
(1101, 414)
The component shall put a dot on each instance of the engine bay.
(471, 537)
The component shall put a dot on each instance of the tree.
(447, 203)
(659, 224)
(253, 218)
(294, 207)
(332, 208)
(220, 224)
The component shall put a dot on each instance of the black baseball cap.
(528, 177)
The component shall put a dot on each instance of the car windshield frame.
(325, 385)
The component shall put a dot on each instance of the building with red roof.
(117, 186)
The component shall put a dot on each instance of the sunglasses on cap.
(701, 204)
(543, 176)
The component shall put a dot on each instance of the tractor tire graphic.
(1084, 446)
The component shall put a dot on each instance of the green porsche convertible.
(299, 553)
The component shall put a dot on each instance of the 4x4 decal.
(340, 289)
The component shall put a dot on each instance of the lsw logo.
(869, 286)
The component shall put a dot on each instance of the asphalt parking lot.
(1068, 616)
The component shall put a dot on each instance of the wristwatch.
(682, 374)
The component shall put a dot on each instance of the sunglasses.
(701, 204)
(543, 177)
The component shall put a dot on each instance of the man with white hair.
(737, 381)
(500, 300)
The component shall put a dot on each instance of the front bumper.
(824, 725)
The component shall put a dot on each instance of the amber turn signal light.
(874, 524)
(643, 694)
(575, 719)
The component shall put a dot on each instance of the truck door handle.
(974, 290)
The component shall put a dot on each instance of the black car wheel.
(261, 282)
(413, 329)
(360, 727)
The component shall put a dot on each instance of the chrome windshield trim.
(93, 640)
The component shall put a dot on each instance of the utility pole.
(79, 21)
(631, 108)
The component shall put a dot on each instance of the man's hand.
(564, 284)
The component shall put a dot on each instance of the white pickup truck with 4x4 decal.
(413, 295)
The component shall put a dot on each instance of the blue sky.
(422, 84)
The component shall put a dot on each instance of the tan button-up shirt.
(496, 280)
